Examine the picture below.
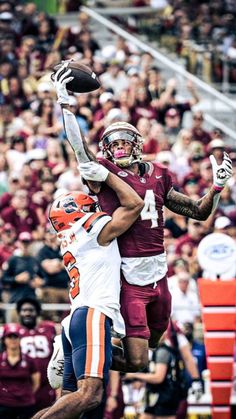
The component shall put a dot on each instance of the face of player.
(121, 148)
(28, 315)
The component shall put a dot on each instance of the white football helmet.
(56, 364)
(122, 131)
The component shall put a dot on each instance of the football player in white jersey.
(92, 259)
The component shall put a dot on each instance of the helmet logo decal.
(70, 206)
(122, 174)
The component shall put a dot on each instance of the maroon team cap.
(25, 236)
(8, 227)
(11, 329)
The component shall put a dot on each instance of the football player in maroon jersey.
(145, 298)
(37, 343)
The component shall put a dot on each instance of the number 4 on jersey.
(149, 211)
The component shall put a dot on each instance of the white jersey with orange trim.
(94, 270)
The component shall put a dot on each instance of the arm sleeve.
(74, 136)
(168, 181)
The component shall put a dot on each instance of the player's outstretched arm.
(130, 202)
(72, 128)
(202, 208)
(73, 132)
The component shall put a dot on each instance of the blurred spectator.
(198, 132)
(114, 407)
(185, 301)
(186, 245)
(16, 96)
(22, 275)
(7, 244)
(48, 126)
(115, 78)
(179, 266)
(37, 343)
(19, 377)
(227, 203)
(16, 155)
(172, 124)
(50, 259)
(205, 176)
(168, 100)
(3, 174)
(217, 147)
(9, 124)
(21, 214)
(225, 225)
(71, 179)
(197, 347)
(141, 106)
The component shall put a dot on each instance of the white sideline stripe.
(199, 409)
(219, 310)
(223, 335)
(220, 359)
(221, 409)
(219, 384)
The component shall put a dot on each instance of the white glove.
(196, 389)
(60, 81)
(93, 171)
(221, 172)
(56, 364)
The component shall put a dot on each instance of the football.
(85, 80)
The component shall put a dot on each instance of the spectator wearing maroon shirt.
(191, 239)
(37, 343)
(20, 214)
(19, 377)
(198, 132)
(13, 186)
(7, 245)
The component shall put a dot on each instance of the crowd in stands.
(36, 162)
(202, 33)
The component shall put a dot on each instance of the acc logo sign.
(217, 255)
(220, 250)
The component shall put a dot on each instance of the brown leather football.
(85, 80)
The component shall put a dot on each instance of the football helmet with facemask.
(69, 208)
(122, 131)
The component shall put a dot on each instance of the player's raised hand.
(221, 172)
(60, 79)
(93, 171)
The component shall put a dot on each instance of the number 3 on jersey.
(149, 211)
(73, 272)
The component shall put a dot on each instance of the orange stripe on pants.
(101, 345)
(89, 340)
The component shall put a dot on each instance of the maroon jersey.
(37, 343)
(16, 382)
(145, 236)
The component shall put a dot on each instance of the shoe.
(56, 364)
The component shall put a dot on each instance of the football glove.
(60, 81)
(93, 171)
(221, 172)
(56, 364)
